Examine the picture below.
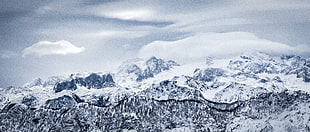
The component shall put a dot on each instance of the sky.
(41, 38)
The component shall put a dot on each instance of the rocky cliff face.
(96, 81)
(92, 81)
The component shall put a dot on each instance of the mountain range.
(251, 92)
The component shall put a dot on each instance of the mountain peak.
(34, 82)
(152, 58)
(255, 56)
(146, 69)
(51, 81)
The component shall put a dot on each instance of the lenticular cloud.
(216, 44)
(43, 48)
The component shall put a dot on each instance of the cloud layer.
(43, 48)
(217, 45)
(117, 30)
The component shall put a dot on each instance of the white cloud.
(43, 48)
(140, 14)
(216, 44)
(126, 10)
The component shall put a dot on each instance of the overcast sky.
(40, 38)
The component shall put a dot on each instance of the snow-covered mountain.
(250, 92)
(137, 70)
